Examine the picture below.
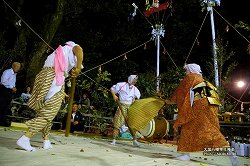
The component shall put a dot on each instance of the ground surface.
(96, 151)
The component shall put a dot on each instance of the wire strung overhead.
(232, 26)
(196, 38)
(152, 10)
(28, 25)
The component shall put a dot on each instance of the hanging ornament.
(145, 46)
(227, 28)
(197, 42)
(18, 23)
(135, 8)
(241, 107)
(100, 69)
(155, 3)
(164, 51)
(248, 48)
(132, 13)
(125, 57)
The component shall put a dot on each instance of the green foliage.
(146, 84)
(98, 92)
(169, 82)
(225, 67)
(242, 25)
(101, 100)
(99, 121)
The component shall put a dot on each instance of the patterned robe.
(46, 111)
(199, 124)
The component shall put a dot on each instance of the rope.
(169, 56)
(95, 82)
(232, 26)
(238, 101)
(164, 22)
(5, 63)
(28, 25)
(54, 49)
(116, 57)
(196, 37)
(145, 17)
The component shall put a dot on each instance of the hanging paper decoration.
(248, 49)
(227, 28)
(133, 13)
(18, 23)
(100, 69)
(155, 7)
(197, 42)
(145, 46)
(241, 107)
(125, 57)
(164, 51)
(135, 8)
(208, 3)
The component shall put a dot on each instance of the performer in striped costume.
(127, 93)
(48, 91)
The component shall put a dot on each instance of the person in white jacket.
(125, 93)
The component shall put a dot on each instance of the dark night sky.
(235, 11)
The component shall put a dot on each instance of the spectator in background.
(84, 104)
(25, 96)
(7, 88)
(77, 120)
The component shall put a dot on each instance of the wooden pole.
(72, 93)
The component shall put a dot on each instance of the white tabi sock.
(113, 142)
(47, 145)
(24, 143)
(136, 143)
(185, 157)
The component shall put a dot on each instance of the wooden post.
(72, 93)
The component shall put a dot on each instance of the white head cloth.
(193, 68)
(131, 78)
(71, 43)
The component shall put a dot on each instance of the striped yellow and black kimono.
(46, 110)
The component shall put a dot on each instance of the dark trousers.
(78, 127)
(5, 101)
